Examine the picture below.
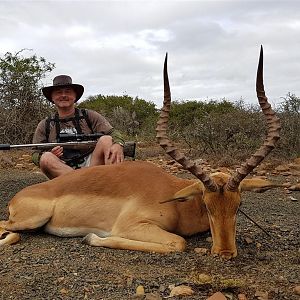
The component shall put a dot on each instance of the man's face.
(64, 97)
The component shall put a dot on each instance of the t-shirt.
(99, 124)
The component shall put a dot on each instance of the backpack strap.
(87, 119)
(47, 128)
(57, 125)
(50, 119)
(76, 121)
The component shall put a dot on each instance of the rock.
(224, 170)
(153, 296)
(261, 173)
(287, 173)
(60, 279)
(248, 240)
(64, 291)
(201, 251)
(261, 295)
(293, 198)
(295, 187)
(295, 167)
(242, 297)
(181, 290)
(162, 288)
(297, 161)
(140, 290)
(229, 296)
(6, 161)
(129, 280)
(296, 290)
(204, 279)
(217, 296)
(282, 168)
(295, 172)
(281, 279)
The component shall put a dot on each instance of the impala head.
(222, 192)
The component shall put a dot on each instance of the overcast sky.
(118, 47)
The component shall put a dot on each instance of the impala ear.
(258, 185)
(189, 192)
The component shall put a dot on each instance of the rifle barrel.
(129, 147)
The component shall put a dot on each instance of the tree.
(133, 116)
(289, 112)
(21, 102)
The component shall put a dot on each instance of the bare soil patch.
(42, 266)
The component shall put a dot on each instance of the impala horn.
(168, 146)
(273, 125)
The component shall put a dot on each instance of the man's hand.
(113, 153)
(116, 154)
(107, 153)
(57, 151)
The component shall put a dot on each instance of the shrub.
(21, 102)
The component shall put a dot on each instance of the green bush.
(133, 116)
(289, 113)
(22, 105)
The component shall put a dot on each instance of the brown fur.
(119, 206)
(138, 206)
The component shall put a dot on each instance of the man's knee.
(48, 160)
(52, 166)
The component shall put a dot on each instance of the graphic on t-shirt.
(68, 130)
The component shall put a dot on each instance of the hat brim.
(47, 91)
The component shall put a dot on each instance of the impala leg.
(7, 237)
(148, 238)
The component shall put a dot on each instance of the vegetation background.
(222, 131)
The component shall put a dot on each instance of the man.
(71, 120)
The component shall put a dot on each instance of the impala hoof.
(8, 238)
(225, 254)
(88, 238)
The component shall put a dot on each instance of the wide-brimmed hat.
(62, 81)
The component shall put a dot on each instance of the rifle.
(72, 141)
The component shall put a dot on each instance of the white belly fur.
(74, 231)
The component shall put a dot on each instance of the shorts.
(86, 162)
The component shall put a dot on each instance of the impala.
(137, 205)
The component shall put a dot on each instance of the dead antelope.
(126, 206)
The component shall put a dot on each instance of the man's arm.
(117, 137)
(39, 137)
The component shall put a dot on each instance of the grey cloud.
(115, 47)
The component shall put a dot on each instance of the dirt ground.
(42, 266)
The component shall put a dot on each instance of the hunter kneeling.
(69, 120)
